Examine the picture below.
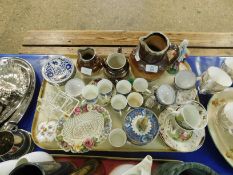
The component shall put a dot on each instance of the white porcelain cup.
(227, 66)
(117, 137)
(226, 118)
(135, 100)
(123, 87)
(119, 103)
(188, 117)
(90, 93)
(141, 85)
(74, 87)
(214, 80)
(185, 80)
(165, 95)
(105, 87)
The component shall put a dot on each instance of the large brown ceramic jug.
(153, 55)
(153, 49)
(88, 62)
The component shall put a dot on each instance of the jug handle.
(172, 48)
(119, 50)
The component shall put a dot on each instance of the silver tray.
(17, 85)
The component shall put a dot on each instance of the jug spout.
(86, 54)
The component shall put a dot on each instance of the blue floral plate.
(58, 69)
(141, 126)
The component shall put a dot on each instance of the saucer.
(141, 132)
(87, 127)
(184, 96)
(193, 143)
(58, 69)
(101, 100)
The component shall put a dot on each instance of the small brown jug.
(88, 62)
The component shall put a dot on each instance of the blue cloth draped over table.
(207, 154)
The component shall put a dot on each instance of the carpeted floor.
(18, 16)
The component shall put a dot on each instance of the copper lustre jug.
(154, 49)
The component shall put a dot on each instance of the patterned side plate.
(187, 145)
(58, 69)
(141, 132)
(89, 126)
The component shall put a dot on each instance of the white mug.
(141, 85)
(90, 93)
(226, 118)
(119, 103)
(214, 80)
(117, 137)
(123, 87)
(135, 100)
(227, 66)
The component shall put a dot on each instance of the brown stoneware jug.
(88, 62)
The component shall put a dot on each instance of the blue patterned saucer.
(141, 126)
(58, 69)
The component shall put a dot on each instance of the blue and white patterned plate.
(134, 133)
(58, 69)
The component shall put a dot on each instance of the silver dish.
(17, 85)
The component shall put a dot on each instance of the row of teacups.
(105, 88)
(130, 95)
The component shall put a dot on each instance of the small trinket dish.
(58, 69)
(141, 126)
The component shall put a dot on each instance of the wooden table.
(66, 42)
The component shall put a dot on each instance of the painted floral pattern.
(88, 143)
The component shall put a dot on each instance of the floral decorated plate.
(89, 126)
(58, 69)
(183, 143)
(141, 126)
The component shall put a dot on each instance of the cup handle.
(120, 112)
(129, 108)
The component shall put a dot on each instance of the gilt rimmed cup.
(141, 85)
(123, 87)
(90, 94)
(119, 103)
(214, 80)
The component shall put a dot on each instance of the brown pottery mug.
(116, 66)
